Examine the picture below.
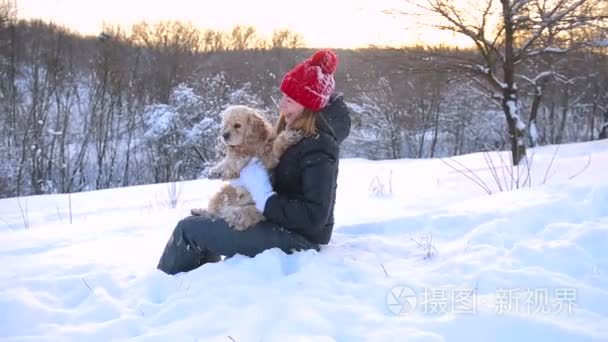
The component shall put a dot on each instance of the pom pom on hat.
(326, 59)
(311, 82)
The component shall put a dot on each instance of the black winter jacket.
(305, 180)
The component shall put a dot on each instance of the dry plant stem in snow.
(24, 214)
(505, 175)
(381, 189)
(426, 244)
(174, 190)
(582, 170)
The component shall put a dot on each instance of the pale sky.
(322, 23)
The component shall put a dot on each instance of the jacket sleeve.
(311, 209)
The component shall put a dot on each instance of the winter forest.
(142, 105)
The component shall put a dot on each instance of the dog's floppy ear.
(259, 128)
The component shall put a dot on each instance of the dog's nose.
(226, 135)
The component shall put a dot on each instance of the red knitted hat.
(311, 82)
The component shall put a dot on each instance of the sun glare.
(322, 23)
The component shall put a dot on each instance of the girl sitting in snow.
(298, 207)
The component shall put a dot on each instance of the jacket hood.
(335, 118)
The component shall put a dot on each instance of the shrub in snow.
(172, 131)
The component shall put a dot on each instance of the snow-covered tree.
(382, 118)
(506, 33)
(604, 130)
(173, 129)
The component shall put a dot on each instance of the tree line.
(143, 105)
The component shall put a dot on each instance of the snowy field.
(419, 253)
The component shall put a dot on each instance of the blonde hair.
(307, 123)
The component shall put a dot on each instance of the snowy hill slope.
(419, 253)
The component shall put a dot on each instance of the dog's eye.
(237, 126)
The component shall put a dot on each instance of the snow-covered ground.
(419, 253)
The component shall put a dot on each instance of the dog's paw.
(224, 173)
(199, 212)
(233, 218)
(213, 173)
(231, 174)
(246, 217)
(241, 218)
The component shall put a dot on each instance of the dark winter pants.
(197, 240)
